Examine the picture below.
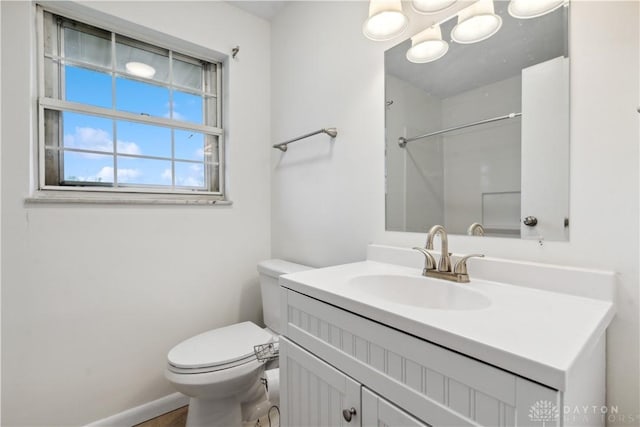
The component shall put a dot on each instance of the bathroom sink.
(420, 292)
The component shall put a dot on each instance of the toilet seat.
(218, 349)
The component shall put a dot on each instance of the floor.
(178, 418)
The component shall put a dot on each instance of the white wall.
(323, 193)
(93, 297)
(328, 201)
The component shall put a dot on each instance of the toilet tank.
(269, 272)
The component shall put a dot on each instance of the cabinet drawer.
(430, 381)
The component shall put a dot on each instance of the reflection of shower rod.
(402, 141)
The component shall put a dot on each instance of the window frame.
(127, 193)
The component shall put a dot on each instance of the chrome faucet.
(475, 229)
(443, 269)
(429, 261)
(445, 261)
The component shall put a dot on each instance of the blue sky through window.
(87, 86)
(86, 132)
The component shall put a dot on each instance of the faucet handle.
(461, 265)
(430, 261)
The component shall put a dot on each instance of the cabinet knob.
(530, 221)
(348, 414)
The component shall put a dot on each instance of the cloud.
(189, 181)
(106, 175)
(95, 139)
(193, 178)
(88, 138)
(176, 115)
(127, 175)
(128, 148)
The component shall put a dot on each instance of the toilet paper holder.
(266, 352)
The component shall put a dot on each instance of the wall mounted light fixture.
(427, 46)
(476, 23)
(431, 6)
(386, 20)
(526, 9)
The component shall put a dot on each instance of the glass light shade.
(427, 46)
(140, 69)
(386, 20)
(476, 23)
(526, 9)
(431, 6)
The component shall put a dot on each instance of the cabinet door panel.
(378, 412)
(313, 392)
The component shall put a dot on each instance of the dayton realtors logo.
(544, 411)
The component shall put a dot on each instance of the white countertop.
(534, 333)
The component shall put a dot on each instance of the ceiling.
(520, 43)
(263, 9)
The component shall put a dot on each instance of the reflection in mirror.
(478, 140)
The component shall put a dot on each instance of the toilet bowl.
(218, 369)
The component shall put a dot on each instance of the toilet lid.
(222, 346)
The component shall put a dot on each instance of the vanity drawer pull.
(348, 413)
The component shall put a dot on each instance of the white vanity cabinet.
(377, 411)
(317, 394)
(332, 360)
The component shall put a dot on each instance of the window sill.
(63, 197)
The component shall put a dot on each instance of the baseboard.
(142, 413)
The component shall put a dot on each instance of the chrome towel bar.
(332, 132)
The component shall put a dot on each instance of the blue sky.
(87, 132)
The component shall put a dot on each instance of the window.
(120, 115)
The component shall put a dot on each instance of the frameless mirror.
(478, 140)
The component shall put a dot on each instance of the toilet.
(218, 369)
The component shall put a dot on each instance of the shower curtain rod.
(402, 141)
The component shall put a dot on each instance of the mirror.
(486, 128)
